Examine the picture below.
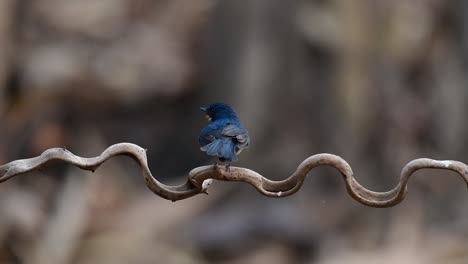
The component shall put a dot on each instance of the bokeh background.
(377, 82)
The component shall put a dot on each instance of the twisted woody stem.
(200, 178)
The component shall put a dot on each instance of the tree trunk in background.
(7, 12)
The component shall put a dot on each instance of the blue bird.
(224, 137)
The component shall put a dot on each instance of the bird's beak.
(206, 115)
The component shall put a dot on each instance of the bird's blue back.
(215, 128)
(225, 136)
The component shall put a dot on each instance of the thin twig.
(200, 178)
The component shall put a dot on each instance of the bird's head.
(218, 111)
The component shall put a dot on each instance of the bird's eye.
(208, 117)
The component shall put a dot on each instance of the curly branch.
(200, 178)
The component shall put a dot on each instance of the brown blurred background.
(376, 82)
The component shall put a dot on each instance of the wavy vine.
(200, 178)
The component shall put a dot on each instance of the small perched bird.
(224, 136)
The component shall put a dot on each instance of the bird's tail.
(223, 148)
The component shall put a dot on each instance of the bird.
(224, 136)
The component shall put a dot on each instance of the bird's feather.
(237, 132)
(224, 148)
(224, 137)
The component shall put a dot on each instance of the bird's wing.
(209, 134)
(237, 132)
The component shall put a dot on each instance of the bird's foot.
(216, 167)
